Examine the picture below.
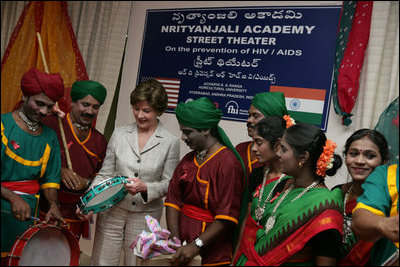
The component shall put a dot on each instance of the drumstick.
(30, 217)
(59, 119)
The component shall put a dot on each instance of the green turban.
(80, 89)
(203, 114)
(198, 114)
(270, 103)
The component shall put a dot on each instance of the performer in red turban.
(30, 158)
(34, 82)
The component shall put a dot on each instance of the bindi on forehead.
(363, 151)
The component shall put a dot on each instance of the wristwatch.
(198, 242)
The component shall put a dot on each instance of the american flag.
(172, 88)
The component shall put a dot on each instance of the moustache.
(88, 115)
(249, 125)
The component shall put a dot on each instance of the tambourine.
(104, 195)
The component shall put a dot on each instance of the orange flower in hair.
(289, 121)
(326, 158)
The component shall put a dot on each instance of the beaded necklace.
(81, 127)
(260, 210)
(202, 154)
(346, 219)
(32, 126)
(272, 218)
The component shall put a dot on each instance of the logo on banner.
(232, 107)
(172, 87)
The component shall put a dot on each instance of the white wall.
(235, 130)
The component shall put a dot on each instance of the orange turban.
(34, 82)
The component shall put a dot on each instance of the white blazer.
(155, 164)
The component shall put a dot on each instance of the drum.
(104, 195)
(45, 245)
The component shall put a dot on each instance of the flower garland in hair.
(289, 121)
(325, 160)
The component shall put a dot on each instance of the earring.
(301, 164)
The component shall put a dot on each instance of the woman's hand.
(135, 186)
(81, 216)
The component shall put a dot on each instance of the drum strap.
(197, 213)
(30, 187)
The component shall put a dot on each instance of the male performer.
(30, 158)
(263, 105)
(86, 149)
(204, 194)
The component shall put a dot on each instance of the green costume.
(381, 196)
(26, 159)
(297, 222)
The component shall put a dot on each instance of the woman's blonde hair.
(153, 92)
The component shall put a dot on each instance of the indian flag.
(303, 104)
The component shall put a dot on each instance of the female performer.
(266, 136)
(301, 219)
(364, 150)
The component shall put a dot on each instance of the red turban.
(34, 82)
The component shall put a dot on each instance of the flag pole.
(46, 69)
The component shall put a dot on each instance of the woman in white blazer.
(147, 154)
